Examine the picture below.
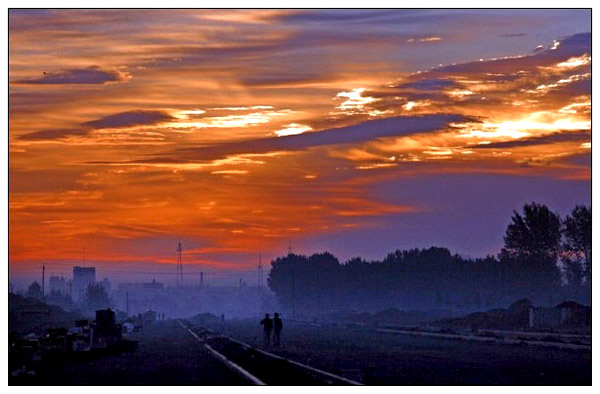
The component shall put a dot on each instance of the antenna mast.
(179, 278)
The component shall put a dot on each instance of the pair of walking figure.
(274, 326)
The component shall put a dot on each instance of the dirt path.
(378, 358)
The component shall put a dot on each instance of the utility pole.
(179, 278)
(289, 248)
(127, 302)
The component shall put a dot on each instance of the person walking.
(267, 324)
(278, 324)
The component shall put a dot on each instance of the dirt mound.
(516, 317)
(520, 305)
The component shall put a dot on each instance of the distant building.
(82, 278)
(154, 285)
(574, 314)
(58, 284)
(566, 314)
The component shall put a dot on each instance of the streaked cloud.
(46, 135)
(83, 76)
(129, 119)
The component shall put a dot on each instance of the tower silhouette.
(179, 278)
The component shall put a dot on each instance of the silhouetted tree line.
(544, 258)
(95, 297)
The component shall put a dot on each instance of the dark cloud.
(129, 119)
(53, 134)
(576, 42)
(386, 18)
(81, 76)
(578, 88)
(513, 35)
(161, 159)
(428, 84)
(575, 45)
(123, 119)
(583, 160)
(579, 135)
(342, 16)
(366, 131)
(503, 80)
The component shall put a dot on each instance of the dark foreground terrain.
(387, 359)
(167, 355)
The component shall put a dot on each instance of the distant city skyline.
(356, 132)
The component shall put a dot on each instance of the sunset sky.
(353, 131)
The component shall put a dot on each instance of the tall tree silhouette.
(531, 247)
(435, 278)
(578, 236)
(535, 233)
(408, 278)
(96, 297)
